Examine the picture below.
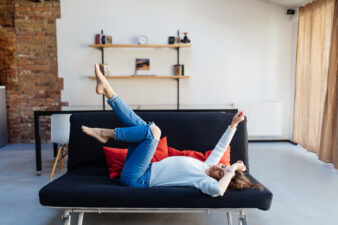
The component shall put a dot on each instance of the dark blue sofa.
(86, 186)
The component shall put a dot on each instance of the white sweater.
(187, 171)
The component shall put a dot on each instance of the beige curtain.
(328, 150)
(313, 56)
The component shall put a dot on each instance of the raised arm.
(217, 188)
(225, 180)
(225, 140)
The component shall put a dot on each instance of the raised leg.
(102, 85)
(139, 156)
(127, 116)
(132, 134)
(101, 134)
(128, 134)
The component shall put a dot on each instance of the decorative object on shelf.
(178, 69)
(103, 38)
(105, 69)
(142, 66)
(143, 40)
(171, 40)
(182, 72)
(109, 40)
(185, 38)
(178, 38)
(98, 39)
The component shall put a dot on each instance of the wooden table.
(37, 115)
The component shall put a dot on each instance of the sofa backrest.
(193, 130)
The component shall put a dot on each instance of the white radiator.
(264, 119)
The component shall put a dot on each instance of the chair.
(60, 128)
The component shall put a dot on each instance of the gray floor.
(305, 190)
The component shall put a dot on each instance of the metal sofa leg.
(242, 218)
(80, 219)
(66, 219)
(229, 218)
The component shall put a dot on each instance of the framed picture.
(142, 66)
(109, 40)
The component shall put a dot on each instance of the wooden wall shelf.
(176, 47)
(141, 46)
(144, 77)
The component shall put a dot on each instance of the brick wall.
(29, 66)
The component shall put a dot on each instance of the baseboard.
(281, 140)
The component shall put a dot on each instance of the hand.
(239, 166)
(239, 117)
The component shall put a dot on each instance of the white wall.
(241, 52)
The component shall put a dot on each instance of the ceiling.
(289, 3)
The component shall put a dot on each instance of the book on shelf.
(142, 67)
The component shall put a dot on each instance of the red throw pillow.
(116, 157)
(199, 155)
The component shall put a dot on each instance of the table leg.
(37, 144)
(55, 148)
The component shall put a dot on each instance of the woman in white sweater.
(209, 176)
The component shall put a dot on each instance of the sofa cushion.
(116, 157)
(92, 187)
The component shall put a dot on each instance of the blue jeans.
(137, 167)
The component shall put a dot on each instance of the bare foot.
(102, 85)
(96, 133)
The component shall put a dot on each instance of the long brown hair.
(240, 181)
